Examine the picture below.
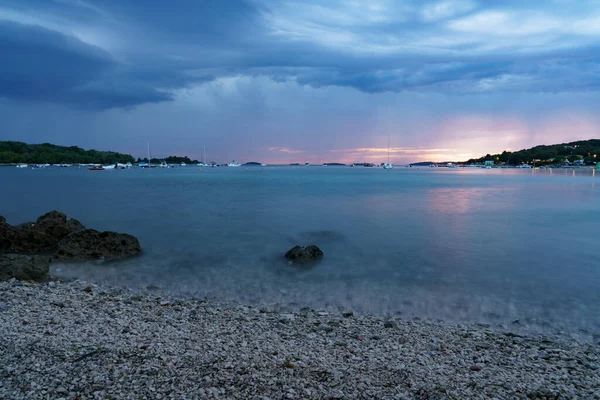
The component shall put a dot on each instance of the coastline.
(76, 340)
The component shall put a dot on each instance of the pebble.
(286, 318)
(137, 347)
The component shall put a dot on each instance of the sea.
(504, 247)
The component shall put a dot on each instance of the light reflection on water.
(465, 244)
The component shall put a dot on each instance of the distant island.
(46, 153)
(169, 160)
(583, 152)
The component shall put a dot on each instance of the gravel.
(80, 341)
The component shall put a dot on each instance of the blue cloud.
(119, 54)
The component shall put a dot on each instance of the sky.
(300, 81)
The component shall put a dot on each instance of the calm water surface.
(462, 245)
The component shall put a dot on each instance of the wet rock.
(37, 237)
(23, 267)
(304, 254)
(92, 244)
(5, 235)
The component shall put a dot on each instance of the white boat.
(324, 164)
(113, 166)
(183, 164)
(22, 165)
(163, 164)
(63, 165)
(234, 164)
(524, 166)
(263, 165)
(306, 164)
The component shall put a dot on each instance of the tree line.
(46, 153)
(169, 160)
(586, 150)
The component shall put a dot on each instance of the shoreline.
(76, 340)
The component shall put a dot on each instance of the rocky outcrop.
(304, 254)
(37, 237)
(5, 235)
(51, 233)
(91, 244)
(23, 267)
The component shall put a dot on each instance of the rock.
(36, 237)
(389, 324)
(23, 267)
(303, 255)
(286, 318)
(92, 244)
(348, 314)
(325, 328)
(5, 235)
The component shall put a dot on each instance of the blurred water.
(457, 244)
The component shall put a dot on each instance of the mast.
(388, 149)
(149, 156)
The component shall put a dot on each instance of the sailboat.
(234, 164)
(203, 162)
(388, 165)
(148, 164)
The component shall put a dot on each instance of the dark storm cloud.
(117, 54)
(43, 65)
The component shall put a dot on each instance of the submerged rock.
(23, 267)
(304, 254)
(92, 244)
(322, 235)
(37, 237)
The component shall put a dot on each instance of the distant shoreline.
(590, 167)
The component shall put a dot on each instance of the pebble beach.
(73, 340)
